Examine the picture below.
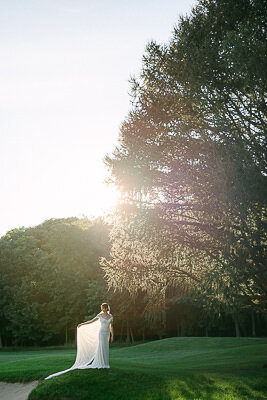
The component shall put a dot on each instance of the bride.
(93, 342)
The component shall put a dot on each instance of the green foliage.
(191, 164)
(45, 272)
(96, 294)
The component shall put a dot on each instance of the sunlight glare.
(103, 202)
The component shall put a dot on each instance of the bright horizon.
(65, 66)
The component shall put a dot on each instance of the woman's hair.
(105, 306)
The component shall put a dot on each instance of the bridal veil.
(87, 344)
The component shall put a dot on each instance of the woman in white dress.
(93, 342)
(106, 333)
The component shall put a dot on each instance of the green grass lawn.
(169, 369)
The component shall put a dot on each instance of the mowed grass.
(168, 369)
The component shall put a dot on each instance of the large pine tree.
(191, 162)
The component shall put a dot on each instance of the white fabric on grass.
(92, 345)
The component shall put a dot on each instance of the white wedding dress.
(92, 345)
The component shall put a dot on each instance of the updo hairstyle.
(105, 307)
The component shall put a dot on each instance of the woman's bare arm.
(88, 322)
(111, 331)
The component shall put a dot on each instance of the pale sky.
(64, 71)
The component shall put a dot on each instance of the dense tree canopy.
(50, 279)
(192, 164)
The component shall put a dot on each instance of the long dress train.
(92, 346)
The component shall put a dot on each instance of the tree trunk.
(206, 331)
(127, 332)
(143, 333)
(182, 328)
(1, 343)
(131, 333)
(122, 326)
(75, 338)
(237, 330)
(253, 323)
(66, 334)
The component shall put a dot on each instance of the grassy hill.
(169, 369)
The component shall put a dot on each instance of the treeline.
(50, 280)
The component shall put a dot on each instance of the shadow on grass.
(175, 369)
(116, 384)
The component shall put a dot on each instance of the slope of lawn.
(168, 369)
